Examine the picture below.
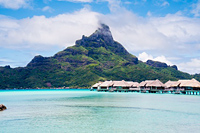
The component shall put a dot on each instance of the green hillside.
(92, 59)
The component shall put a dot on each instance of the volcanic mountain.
(92, 59)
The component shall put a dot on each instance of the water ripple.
(135, 108)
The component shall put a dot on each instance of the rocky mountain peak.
(104, 32)
(101, 36)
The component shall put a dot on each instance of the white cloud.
(114, 5)
(149, 14)
(161, 3)
(165, 3)
(15, 4)
(84, 1)
(193, 66)
(144, 57)
(165, 35)
(47, 8)
(136, 33)
(40, 32)
(196, 9)
(127, 2)
(162, 58)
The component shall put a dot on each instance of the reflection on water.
(86, 111)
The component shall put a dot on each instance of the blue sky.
(162, 30)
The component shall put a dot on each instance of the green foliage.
(196, 76)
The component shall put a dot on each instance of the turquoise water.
(81, 111)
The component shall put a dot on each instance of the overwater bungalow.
(121, 86)
(173, 87)
(96, 86)
(184, 86)
(144, 86)
(171, 84)
(156, 86)
(190, 86)
(105, 86)
(134, 86)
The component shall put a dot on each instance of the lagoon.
(84, 111)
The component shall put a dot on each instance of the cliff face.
(159, 64)
(93, 58)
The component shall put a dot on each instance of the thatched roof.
(149, 82)
(106, 84)
(146, 82)
(172, 84)
(156, 83)
(133, 84)
(97, 84)
(143, 83)
(121, 83)
(189, 83)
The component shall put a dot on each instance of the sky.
(160, 30)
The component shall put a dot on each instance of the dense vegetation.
(94, 58)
